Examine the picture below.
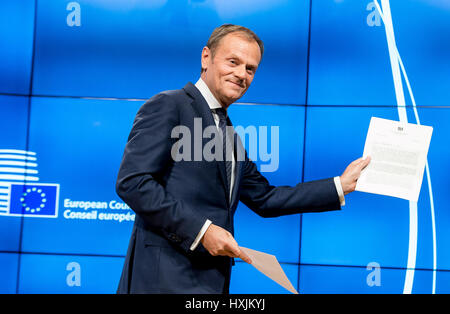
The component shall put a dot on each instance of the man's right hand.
(218, 241)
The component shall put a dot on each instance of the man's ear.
(206, 56)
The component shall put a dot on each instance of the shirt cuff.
(337, 182)
(200, 234)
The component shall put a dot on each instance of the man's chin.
(233, 97)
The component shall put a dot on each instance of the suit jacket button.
(174, 237)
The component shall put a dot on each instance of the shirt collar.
(213, 103)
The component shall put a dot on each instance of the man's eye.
(233, 61)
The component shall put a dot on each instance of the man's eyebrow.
(234, 56)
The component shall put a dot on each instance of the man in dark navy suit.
(182, 240)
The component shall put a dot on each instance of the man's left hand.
(352, 173)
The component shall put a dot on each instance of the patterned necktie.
(227, 151)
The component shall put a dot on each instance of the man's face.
(231, 71)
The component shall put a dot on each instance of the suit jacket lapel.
(203, 111)
(239, 162)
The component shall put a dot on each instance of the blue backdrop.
(74, 73)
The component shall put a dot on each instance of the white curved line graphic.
(18, 177)
(412, 248)
(17, 163)
(17, 170)
(433, 227)
(412, 206)
(16, 151)
(22, 157)
(427, 170)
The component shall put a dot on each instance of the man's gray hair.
(221, 31)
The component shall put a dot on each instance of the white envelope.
(269, 266)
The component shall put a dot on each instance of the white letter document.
(398, 154)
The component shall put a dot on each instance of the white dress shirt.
(213, 103)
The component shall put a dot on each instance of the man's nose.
(240, 72)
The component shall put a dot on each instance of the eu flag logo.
(36, 200)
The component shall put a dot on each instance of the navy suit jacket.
(173, 199)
